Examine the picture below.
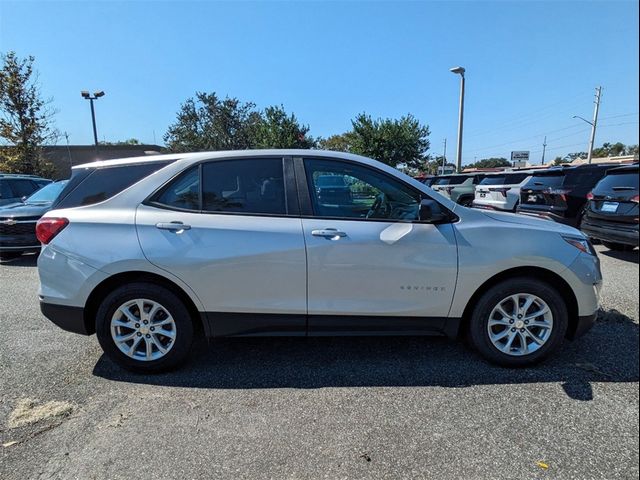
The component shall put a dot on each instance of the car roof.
(21, 175)
(219, 155)
(624, 168)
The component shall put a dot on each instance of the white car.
(501, 191)
(151, 253)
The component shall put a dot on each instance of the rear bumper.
(619, 233)
(67, 318)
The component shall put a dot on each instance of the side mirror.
(431, 211)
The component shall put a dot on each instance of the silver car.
(152, 253)
(500, 191)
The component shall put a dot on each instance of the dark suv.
(560, 194)
(15, 187)
(611, 215)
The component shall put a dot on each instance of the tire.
(171, 317)
(466, 201)
(618, 247)
(533, 352)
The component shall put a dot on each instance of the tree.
(609, 150)
(342, 142)
(632, 150)
(560, 160)
(276, 129)
(26, 119)
(493, 162)
(208, 123)
(402, 142)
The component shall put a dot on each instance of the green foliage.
(610, 150)
(493, 162)
(276, 129)
(560, 160)
(208, 123)
(342, 142)
(25, 118)
(402, 142)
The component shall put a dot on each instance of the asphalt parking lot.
(318, 408)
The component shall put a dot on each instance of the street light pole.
(593, 124)
(460, 71)
(87, 96)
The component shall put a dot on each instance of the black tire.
(181, 348)
(618, 247)
(478, 327)
(466, 201)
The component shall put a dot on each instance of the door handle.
(176, 227)
(330, 233)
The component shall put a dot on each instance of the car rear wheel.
(618, 247)
(518, 322)
(144, 328)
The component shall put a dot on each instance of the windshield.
(48, 193)
(452, 180)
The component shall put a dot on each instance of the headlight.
(581, 244)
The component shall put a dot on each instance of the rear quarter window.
(94, 185)
(627, 180)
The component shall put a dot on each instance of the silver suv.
(152, 253)
(500, 191)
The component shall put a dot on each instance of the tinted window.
(5, 191)
(99, 184)
(586, 177)
(183, 192)
(506, 179)
(22, 188)
(362, 193)
(554, 180)
(244, 186)
(451, 180)
(620, 181)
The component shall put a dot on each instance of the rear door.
(229, 230)
(372, 265)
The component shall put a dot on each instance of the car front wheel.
(519, 322)
(144, 328)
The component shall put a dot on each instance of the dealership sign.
(520, 156)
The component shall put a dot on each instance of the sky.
(530, 66)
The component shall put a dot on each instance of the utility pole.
(444, 156)
(594, 123)
(544, 148)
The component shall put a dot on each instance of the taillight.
(49, 227)
(636, 199)
(590, 196)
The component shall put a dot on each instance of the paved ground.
(319, 408)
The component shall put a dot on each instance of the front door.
(372, 266)
(225, 229)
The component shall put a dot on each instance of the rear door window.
(99, 184)
(452, 180)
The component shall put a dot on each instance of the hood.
(529, 221)
(24, 210)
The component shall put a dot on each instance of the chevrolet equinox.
(150, 253)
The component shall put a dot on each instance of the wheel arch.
(552, 278)
(119, 279)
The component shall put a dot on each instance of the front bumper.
(68, 318)
(582, 326)
(618, 233)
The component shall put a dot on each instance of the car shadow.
(608, 353)
(632, 256)
(25, 260)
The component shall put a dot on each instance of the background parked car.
(18, 220)
(15, 187)
(611, 215)
(560, 194)
(459, 188)
(500, 191)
